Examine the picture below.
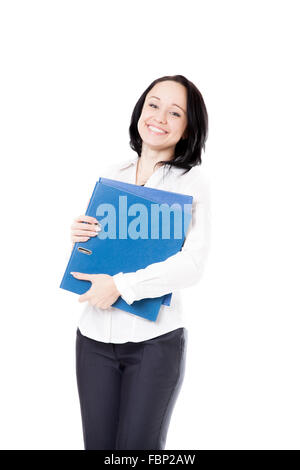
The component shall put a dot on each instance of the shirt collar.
(133, 161)
(129, 162)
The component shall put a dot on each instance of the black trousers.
(127, 391)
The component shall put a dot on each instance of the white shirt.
(181, 270)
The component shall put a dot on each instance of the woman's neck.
(147, 163)
(143, 171)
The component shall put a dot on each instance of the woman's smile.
(155, 130)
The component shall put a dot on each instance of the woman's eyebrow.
(174, 104)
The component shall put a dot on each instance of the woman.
(129, 369)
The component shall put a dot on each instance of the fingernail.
(98, 229)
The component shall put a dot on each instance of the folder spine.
(77, 243)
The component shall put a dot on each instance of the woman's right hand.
(82, 231)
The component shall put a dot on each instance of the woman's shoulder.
(197, 173)
(113, 170)
(196, 182)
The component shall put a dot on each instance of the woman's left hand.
(103, 291)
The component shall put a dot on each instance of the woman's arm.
(181, 270)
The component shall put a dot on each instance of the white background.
(71, 73)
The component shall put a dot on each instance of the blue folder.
(125, 249)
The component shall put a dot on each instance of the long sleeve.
(183, 269)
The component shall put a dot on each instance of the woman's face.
(165, 108)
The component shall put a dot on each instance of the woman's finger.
(85, 218)
(75, 239)
(84, 226)
(85, 233)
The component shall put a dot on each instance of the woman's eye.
(173, 112)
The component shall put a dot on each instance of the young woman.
(129, 369)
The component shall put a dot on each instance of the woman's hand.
(82, 231)
(103, 291)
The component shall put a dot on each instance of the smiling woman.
(129, 369)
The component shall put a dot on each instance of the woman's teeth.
(155, 130)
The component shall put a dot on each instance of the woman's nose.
(161, 117)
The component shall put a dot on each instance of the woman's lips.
(155, 132)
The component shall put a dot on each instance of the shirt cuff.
(124, 288)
